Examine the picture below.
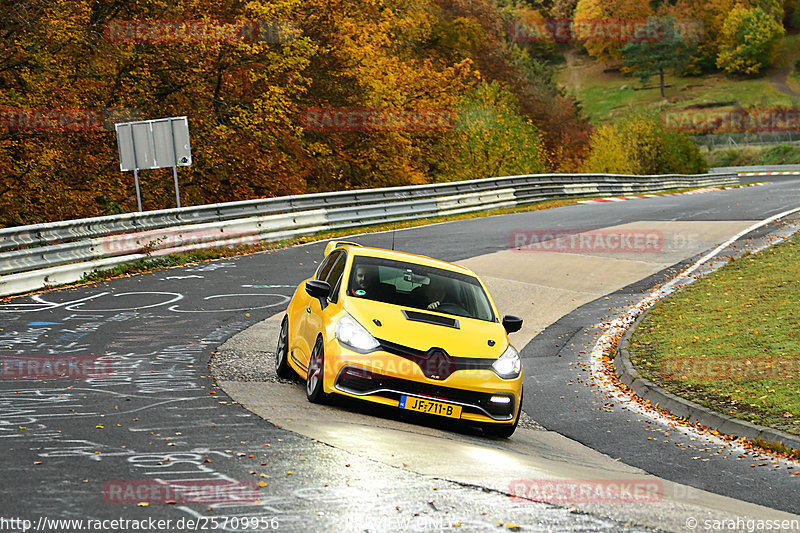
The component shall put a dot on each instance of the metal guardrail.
(754, 168)
(61, 252)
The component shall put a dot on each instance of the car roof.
(406, 257)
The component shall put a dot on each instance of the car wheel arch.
(283, 366)
(315, 391)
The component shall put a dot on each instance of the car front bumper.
(384, 378)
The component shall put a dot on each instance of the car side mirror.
(320, 290)
(317, 288)
(512, 323)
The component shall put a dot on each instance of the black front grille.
(436, 363)
(360, 381)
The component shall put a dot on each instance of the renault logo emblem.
(438, 365)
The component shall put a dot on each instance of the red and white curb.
(618, 198)
(781, 173)
(612, 331)
(696, 191)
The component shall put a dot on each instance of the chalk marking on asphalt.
(40, 304)
(281, 297)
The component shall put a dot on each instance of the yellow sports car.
(405, 331)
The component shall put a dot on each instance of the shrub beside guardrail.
(62, 252)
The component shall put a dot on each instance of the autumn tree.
(558, 117)
(563, 9)
(640, 145)
(710, 17)
(749, 41)
(85, 56)
(377, 59)
(792, 14)
(608, 154)
(714, 15)
(605, 27)
(248, 86)
(652, 57)
(773, 8)
(490, 138)
(530, 30)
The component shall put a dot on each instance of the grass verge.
(731, 340)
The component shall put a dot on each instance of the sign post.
(149, 144)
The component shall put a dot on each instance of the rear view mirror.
(416, 279)
(512, 323)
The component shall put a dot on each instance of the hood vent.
(428, 318)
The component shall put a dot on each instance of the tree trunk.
(661, 75)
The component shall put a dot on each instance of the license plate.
(430, 407)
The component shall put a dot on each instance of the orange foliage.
(245, 74)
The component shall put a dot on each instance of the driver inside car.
(365, 282)
(436, 294)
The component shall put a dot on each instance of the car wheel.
(316, 372)
(504, 430)
(282, 367)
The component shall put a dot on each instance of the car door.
(299, 349)
(331, 272)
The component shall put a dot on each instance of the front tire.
(282, 368)
(316, 372)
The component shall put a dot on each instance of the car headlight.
(508, 365)
(353, 335)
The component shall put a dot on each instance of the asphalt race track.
(142, 411)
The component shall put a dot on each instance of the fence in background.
(735, 140)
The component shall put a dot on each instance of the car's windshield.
(418, 286)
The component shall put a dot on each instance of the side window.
(335, 276)
(325, 267)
